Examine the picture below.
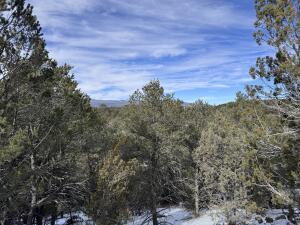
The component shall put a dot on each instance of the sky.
(198, 49)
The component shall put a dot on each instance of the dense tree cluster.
(60, 155)
(48, 130)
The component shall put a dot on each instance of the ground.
(180, 216)
(177, 216)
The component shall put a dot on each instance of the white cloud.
(116, 46)
(63, 6)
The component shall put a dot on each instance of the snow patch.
(175, 216)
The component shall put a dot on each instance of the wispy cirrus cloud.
(116, 46)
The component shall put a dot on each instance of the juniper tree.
(278, 26)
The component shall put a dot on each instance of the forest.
(58, 154)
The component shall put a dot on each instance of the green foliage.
(42, 146)
(109, 202)
(150, 124)
(219, 155)
(59, 154)
(277, 25)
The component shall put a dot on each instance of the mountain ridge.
(114, 103)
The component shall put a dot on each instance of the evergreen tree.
(42, 116)
(277, 25)
(195, 118)
(151, 124)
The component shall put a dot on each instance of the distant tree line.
(60, 155)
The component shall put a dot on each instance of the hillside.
(109, 103)
(115, 103)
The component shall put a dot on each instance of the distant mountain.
(115, 103)
(109, 103)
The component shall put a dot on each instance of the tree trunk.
(40, 215)
(30, 218)
(3, 216)
(53, 219)
(154, 217)
(196, 191)
(33, 192)
(153, 184)
(39, 220)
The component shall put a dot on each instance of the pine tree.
(151, 124)
(42, 113)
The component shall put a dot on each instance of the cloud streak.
(116, 46)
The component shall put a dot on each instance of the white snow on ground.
(180, 216)
(205, 219)
(79, 218)
(279, 217)
(176, 216)
(172, 216)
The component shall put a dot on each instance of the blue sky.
(198, 49)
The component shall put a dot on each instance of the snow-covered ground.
(275, 217)
(176, 216)
(171, 216)
(78, 218)
(180, 216)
